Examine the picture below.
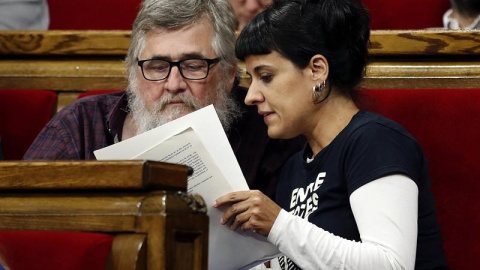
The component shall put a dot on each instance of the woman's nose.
(254, 96)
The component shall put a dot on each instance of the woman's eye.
(266, 78)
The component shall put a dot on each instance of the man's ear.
(318, 68)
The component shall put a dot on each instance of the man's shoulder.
(101, 101)
(105, 100)
(89, 107)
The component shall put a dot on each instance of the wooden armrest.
(27, 175)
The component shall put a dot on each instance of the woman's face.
(282, 93)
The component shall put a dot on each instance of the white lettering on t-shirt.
(304, 200)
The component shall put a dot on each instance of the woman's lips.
(267, 115)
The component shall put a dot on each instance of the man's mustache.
(188, 100)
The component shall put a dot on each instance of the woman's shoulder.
(376, 132)
(370, 124)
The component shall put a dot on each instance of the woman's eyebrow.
(257, 69)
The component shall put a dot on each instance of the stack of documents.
(199, 141)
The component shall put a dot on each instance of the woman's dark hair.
(299, 29)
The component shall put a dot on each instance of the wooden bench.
(71, 62)
(143, 204)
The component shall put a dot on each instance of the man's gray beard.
(146, 119)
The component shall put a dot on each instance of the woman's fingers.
(231, 198)
(234, 211)
(249, 210)
(240, 220)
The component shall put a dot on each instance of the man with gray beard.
(181, 58)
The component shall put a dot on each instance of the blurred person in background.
(245, 10)
(464, 14)
(24, 15)
(3, 265)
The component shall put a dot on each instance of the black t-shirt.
(370, 147)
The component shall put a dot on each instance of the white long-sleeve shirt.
(387, 222)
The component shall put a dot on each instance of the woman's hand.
(249, 210)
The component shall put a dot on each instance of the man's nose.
(175, 81)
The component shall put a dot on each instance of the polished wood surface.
(410, 73)
(71, 62)
(65, 75)
(149, 213)
(128, 251)
(115, 43)
(425, 42)
(87, 42)
(86, 60)
(93, 175)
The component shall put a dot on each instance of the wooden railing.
(74, 61)
(143, 203)
(68, 62)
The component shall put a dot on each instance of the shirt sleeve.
(386, 213)
(59, 139)
(49, 145)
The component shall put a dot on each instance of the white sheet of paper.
(206, 124)
(198, 140)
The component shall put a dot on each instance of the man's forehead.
(187, 41)
(199, 26)
(181, 56)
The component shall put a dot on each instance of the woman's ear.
(318, 68)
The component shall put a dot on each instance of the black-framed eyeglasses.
(191, 69)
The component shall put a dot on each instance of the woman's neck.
(331, 118)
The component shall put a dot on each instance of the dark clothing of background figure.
(370, 147)
(94, 122)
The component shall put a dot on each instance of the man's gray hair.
(166, 14)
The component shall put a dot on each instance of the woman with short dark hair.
(358, 196)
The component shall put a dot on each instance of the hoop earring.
(317, 91)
